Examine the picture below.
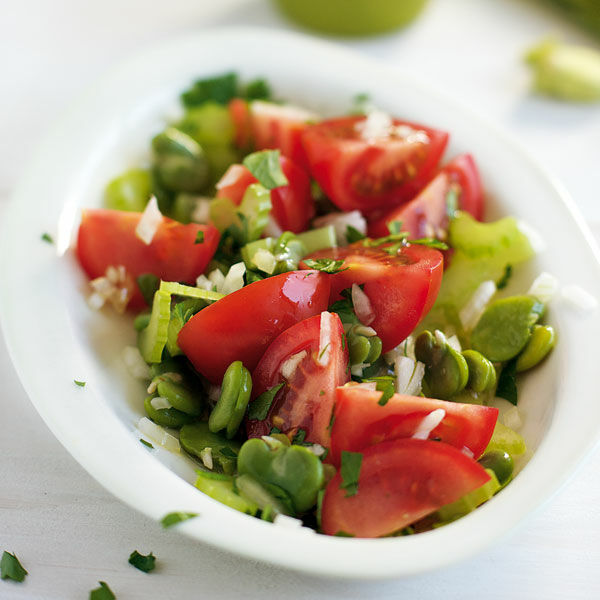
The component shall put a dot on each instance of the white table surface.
(67, 530)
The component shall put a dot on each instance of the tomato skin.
(401, 288)
(360, 422)
(307, 398)
(427, 215)
(367, 175)
(241, 325)
(293, 205)
(400, 482)
(240, 115)
(107, 237)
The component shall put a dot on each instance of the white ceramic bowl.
(55, 338)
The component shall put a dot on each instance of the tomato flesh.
(362, 174)
(360, 422)
(306, 400)
(401, 288)
(241, 325)
(427, 214)
(400, 482)
(107, 238)
(293, 205)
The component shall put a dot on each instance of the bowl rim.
(226, 529)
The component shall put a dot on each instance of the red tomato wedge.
(293, 206)
(361, 422)
(311, 368)
(241, 325)
(399, 483)
(366, 174)
(107, 237)
(400, 288)
(427, 214)
(261, 125)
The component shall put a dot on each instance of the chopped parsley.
(79, 383)
(46, 237)
(322, 393)
(259, 408)
(227, 452)
(323, 351)
(387, 386)
(431, 243)
(219, 89)
(343, 534)
(507, 382)
(299, 437)
(176, 517)
(503, 281)
(395, 227)
(148, 444)
(354, 235)
(11, 568)
(350, 472)
(141, 562)
(325, 265)
(265, 166)
(345, 311)
(258, 89)
(102, 593)
(199, 237)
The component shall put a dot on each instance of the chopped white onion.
(206, 458)
(217, 279)
(537, 242)
(285, 521)
(325, 338)
(357, 370)
(377, 125)
(409, 375)
(264, 260)
(473, 309)
(405, 348)
(159, 435)
(578, 298)
(234, 280)
(204, 283)
(136, 365)
(364, 330)
(544, 287)
(201, 211)
(160, 403)
(95, 301)
(512, 418)
(440, 338)
(411, 135)
(454, 343)
(115, 287)
(231, 176)
(340, 222)
(288, 368)
(272, 228)
(316, 449)
(468, 452)
(149, 222)
(429, 423)
(362, 305)
(367, 385)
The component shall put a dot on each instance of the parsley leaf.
(353, 234)
(176, 517)
(220, 89)
(345, 311)
(431, 243)
(141, 562)
(259, 407)
(395, 227)
(507, 382)
(350, 471)
(387, 387)
(503, 281)
(148, 444)
(102, 593)
(258, 89)
(227, 452)
(79, 383)
(148, 284)
(11, 568)
(299, 437)
(325, 265)
(361, 104)
(265, 166)
(199, 237)
(46, 237)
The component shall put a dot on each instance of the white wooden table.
(67, 530)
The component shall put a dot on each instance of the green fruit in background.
(352, 17)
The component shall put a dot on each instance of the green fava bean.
(446, 371)
(500, 462)
(264, 498)
(542, 340)
(482, 375)
(235, 395)
(221, 488)
(130, 191)
(195, 437)
(166, 417)
(179, 161)
(294, 469)
(376, 347)
(505, 327)
(180, 397)
(358, 348)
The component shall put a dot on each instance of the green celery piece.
(506, 440)
(152, 339)
(470, 501)
(181, 313)
(223, 214)
(318, 239)
(249, 250)
(209, 124)
(172, 287)
(220, 487)
(256, 207)
(482, 251)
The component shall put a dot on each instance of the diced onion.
(429, 423)
(160, 403)
(325, 338)
(357, 370)
(316, 449)
(149, 222)
(409, 375)
(136, 365)
(231, 176)
(362, 305)
(340, 222)
(544, 287)
(217, 279)
(364, 330)
(405, 348)
(115, 287)
(272, 228)
(264, 260)
(284, 112)
(454, 343)
(285, 521)
(204, 283)
(473, 309)
(201, 212)
(206, 458)
(578, 298)
(288, 368)
(95, 301)
(234, 280)
(159, 435)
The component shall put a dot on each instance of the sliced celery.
(256, 208)
(249, 250)
(181, 313)
(506, 440)
(221, 488)
(172, 287)
(152, 339)
(318, 239)
(223, 214)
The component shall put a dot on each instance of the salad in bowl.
(324, 319)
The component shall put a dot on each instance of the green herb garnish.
(102, 593)
(148, 444)
(503, 281)
(79, 383)
(325, 265)
(11, 568)
(507, 382)
(265, 166)
(394, 227)
(353, 234)
(387, 386)
(199, 237)
(299, 437)
(46, 237)
(227, 452)
(219, 89)
(431, 243)
(258, 89)
(141, 562)
(259, 407)
(176, 517)
(350, 472)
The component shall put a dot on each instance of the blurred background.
(50, 51)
